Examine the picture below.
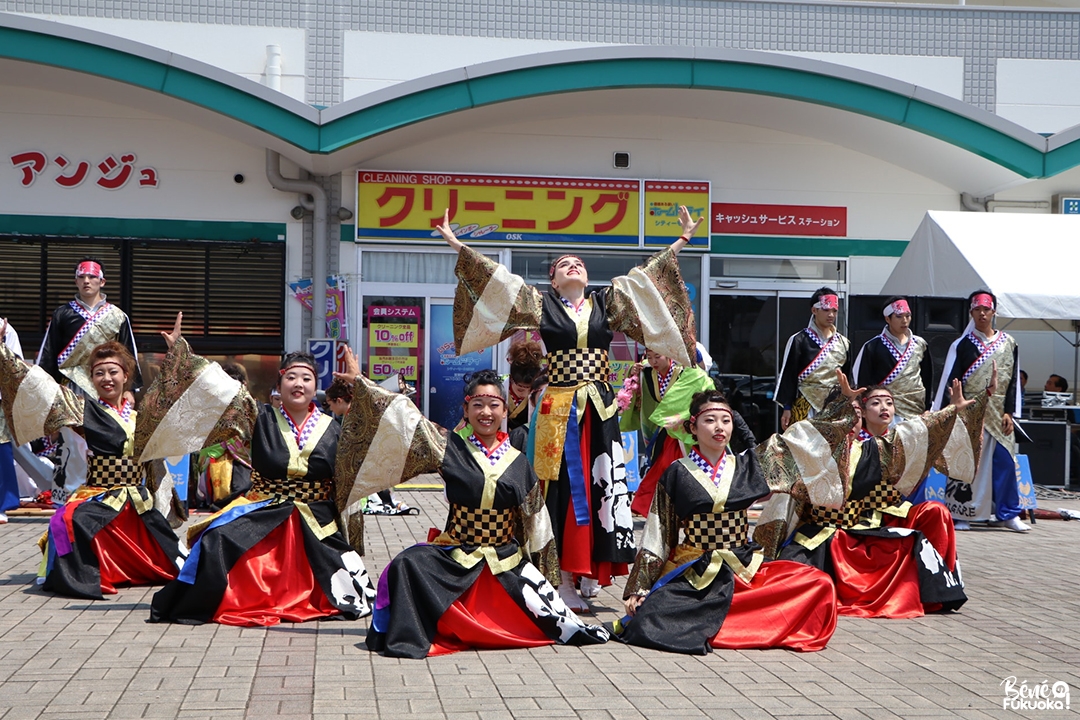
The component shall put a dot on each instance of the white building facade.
(153, 134)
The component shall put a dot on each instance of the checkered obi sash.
(855, 511)
(106, 471)
(295, 489)
(477, 526)
(716, 531)
(580, 365)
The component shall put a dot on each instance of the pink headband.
(89, 267)
(484, 395)
(551, 270)
(982, 300)
(710, 408)
(900, 307)
(828, 302)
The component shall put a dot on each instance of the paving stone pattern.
(64, 658)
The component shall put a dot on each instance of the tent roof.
(1030, 262)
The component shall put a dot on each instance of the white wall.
(240, 49)
(1042, 95)
(744, 163)
(195, 167)
(376, 60)
(940, 74)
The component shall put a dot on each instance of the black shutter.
(232, 294)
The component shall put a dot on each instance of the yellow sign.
(391, 335)
(662, 201)
(381, 367)
(500, 208)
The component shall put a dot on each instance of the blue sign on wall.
(447, 371)
(1070, 206)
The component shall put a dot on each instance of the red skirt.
(129, 554)
(485, 617)
(272, 582)
(670, 451)
(786, 605)
(878, 576)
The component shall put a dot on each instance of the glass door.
(748, 332)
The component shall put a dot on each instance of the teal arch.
(325, 132)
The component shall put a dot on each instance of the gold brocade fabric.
(295, 489)
(817, 387)
(571, 367)
(103, 471)
(477, 526)
(76, 367)
(717, 531)
(550, 432)
(800, 409)
(977, 383)
(909, 395)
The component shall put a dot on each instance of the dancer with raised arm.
(578, 450)
(278, 553)
(712, 590)
(888, 558)
(485, 581)
(109, 533)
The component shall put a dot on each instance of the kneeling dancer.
(276, 554)
(712, 590)
(488, 580)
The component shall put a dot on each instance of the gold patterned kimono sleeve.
(651, 305)
(191, 405)
(660, 537)
(536, 534)
(960, 458)
(384, 441)
(490, 303)
(34, 404)
(810, 460)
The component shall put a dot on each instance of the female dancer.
(486, 580)
(277, 554)
(888, 558)
(526, 362)
(579, 454)
(109, 533)
(660, 409)
(712, 590)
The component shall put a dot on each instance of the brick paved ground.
(74, 659)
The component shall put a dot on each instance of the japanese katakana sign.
(662, 201)
(526, 209)
(110, 173)
(753, 219)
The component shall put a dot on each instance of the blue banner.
(446, 379)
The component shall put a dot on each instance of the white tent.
(1030, 262)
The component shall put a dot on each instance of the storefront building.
(165, 142)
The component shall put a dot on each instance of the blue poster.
(325, 357)
(630, 449)
(446, 380)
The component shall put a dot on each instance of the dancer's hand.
(633, 603)
(689, 227)
(845, 386)
(448, 232)
(352, 367)
(172, 337)
(785, 420)
(956, 394)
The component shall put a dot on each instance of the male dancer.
(898, 360)
(970, 359)
(811, 359)
(81, 325)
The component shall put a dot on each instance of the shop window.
(824, 272)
